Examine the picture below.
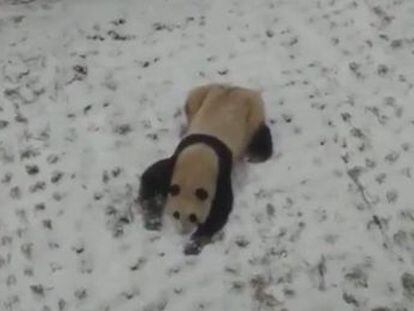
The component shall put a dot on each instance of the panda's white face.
(192, 188)
(187, 207)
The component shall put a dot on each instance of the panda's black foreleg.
(153, 192)
(202, 236)
(216, 220)
(152, 210)
(260, 147)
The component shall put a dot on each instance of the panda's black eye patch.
(192, 218)
(174, 190)
(201, 194)
(176, 215)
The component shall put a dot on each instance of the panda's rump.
(226, 121)
(226, 113)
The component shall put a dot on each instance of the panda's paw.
(196, 244)
(152, 221)
(152, 224)
(255, 159)
(152, 210)
(193, 248)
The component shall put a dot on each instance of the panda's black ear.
(153, 191)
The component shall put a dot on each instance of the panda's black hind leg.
(260, 147)
(153, 192)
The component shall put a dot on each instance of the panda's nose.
(185, 230)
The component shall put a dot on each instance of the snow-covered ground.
(91, 93)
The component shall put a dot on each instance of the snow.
(91, 94)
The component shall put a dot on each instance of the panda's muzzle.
(192, 217)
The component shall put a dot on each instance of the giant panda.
(193, 186)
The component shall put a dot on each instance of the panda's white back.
(226, 113)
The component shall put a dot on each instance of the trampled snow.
(91, 93)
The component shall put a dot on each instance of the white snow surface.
(91, 93)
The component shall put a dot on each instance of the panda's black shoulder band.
(156, 179)
(223, 200)
(223, 152)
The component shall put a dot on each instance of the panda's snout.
(185, 229)
(187, 226)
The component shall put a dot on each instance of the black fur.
(260, 147)
(223, 201)
(156, 180)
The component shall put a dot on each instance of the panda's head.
(193, 187)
